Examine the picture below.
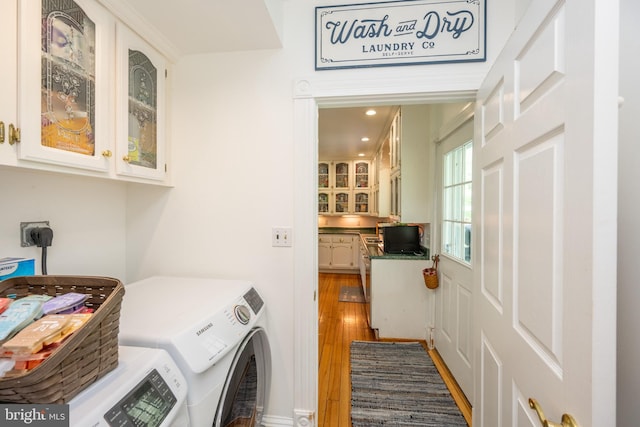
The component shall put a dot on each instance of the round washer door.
(246, 388)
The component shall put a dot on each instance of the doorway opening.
(339, 138)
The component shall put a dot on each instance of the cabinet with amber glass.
(69, 97)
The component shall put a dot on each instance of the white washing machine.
(215, 330)
(145, 389)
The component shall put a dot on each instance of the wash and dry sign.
(406, 32)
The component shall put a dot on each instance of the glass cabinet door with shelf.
(342, 175)
(64, 82)
(341, 203)
(362, 202)
(323, 202)
(323, 175)
(141, 77)
(361, 174)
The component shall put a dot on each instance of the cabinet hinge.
(165, 73)
(165, 168)
(314, 295)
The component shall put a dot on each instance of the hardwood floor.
(339, 323)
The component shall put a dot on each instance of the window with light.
(456, 203)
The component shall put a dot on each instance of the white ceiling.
(189, 27)
(340, 131)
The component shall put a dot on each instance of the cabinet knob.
(126, 159)
(14, 134)
(107, 153)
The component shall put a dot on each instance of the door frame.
(308, 97)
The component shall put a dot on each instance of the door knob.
(567, 420)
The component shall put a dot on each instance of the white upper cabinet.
(90, 95)
(344, 187)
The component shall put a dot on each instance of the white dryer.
(215, 330)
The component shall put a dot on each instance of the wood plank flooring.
(339, 323)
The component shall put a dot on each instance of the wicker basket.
(431, 274)
(83, 358)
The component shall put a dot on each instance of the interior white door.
(454, 297)
(545, 211)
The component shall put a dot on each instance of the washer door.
(244, 396)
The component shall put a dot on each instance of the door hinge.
(314, 295)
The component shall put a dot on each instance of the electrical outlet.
(281, 236)
(25, 231)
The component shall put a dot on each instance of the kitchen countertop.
(375, 250)
(347, 230)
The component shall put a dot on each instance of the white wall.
(87, 217)
(629, 215)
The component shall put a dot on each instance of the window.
(456, 203)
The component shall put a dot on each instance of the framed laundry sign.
(408, 32)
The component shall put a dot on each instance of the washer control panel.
(204, 344)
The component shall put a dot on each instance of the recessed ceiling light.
(360, 154)
(364, 139)
(371, 112)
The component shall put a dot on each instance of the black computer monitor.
(402, 239)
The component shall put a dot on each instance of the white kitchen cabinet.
(412, 165)
(66, 95)
(338, 252)
(324, 251)
(325, 177)
(400, 301)
(344, 187)
(362, 202)
(361, 174)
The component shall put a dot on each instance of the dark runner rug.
(351, 294)
(397, 384)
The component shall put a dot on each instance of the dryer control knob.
(242, 314)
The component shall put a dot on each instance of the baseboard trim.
(273, 421)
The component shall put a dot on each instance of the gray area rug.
(351, 294)
(397, 384)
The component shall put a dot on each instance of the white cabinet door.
(545, 186)
(140, 138)
(324, 251)
(65, 83)
(8, 89)
(342, 251)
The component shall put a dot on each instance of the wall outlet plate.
(25, 231)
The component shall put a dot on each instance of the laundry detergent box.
(11, 267)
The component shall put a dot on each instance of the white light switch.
(281, 236)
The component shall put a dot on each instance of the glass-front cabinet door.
(140, 131)
(341, 202)
(342, 175)
(362, 174)
(323, 202)
(65, 50)
(323, 175)
(361, 202)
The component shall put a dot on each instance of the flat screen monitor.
(402, 239)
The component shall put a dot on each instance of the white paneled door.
(544, 219)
